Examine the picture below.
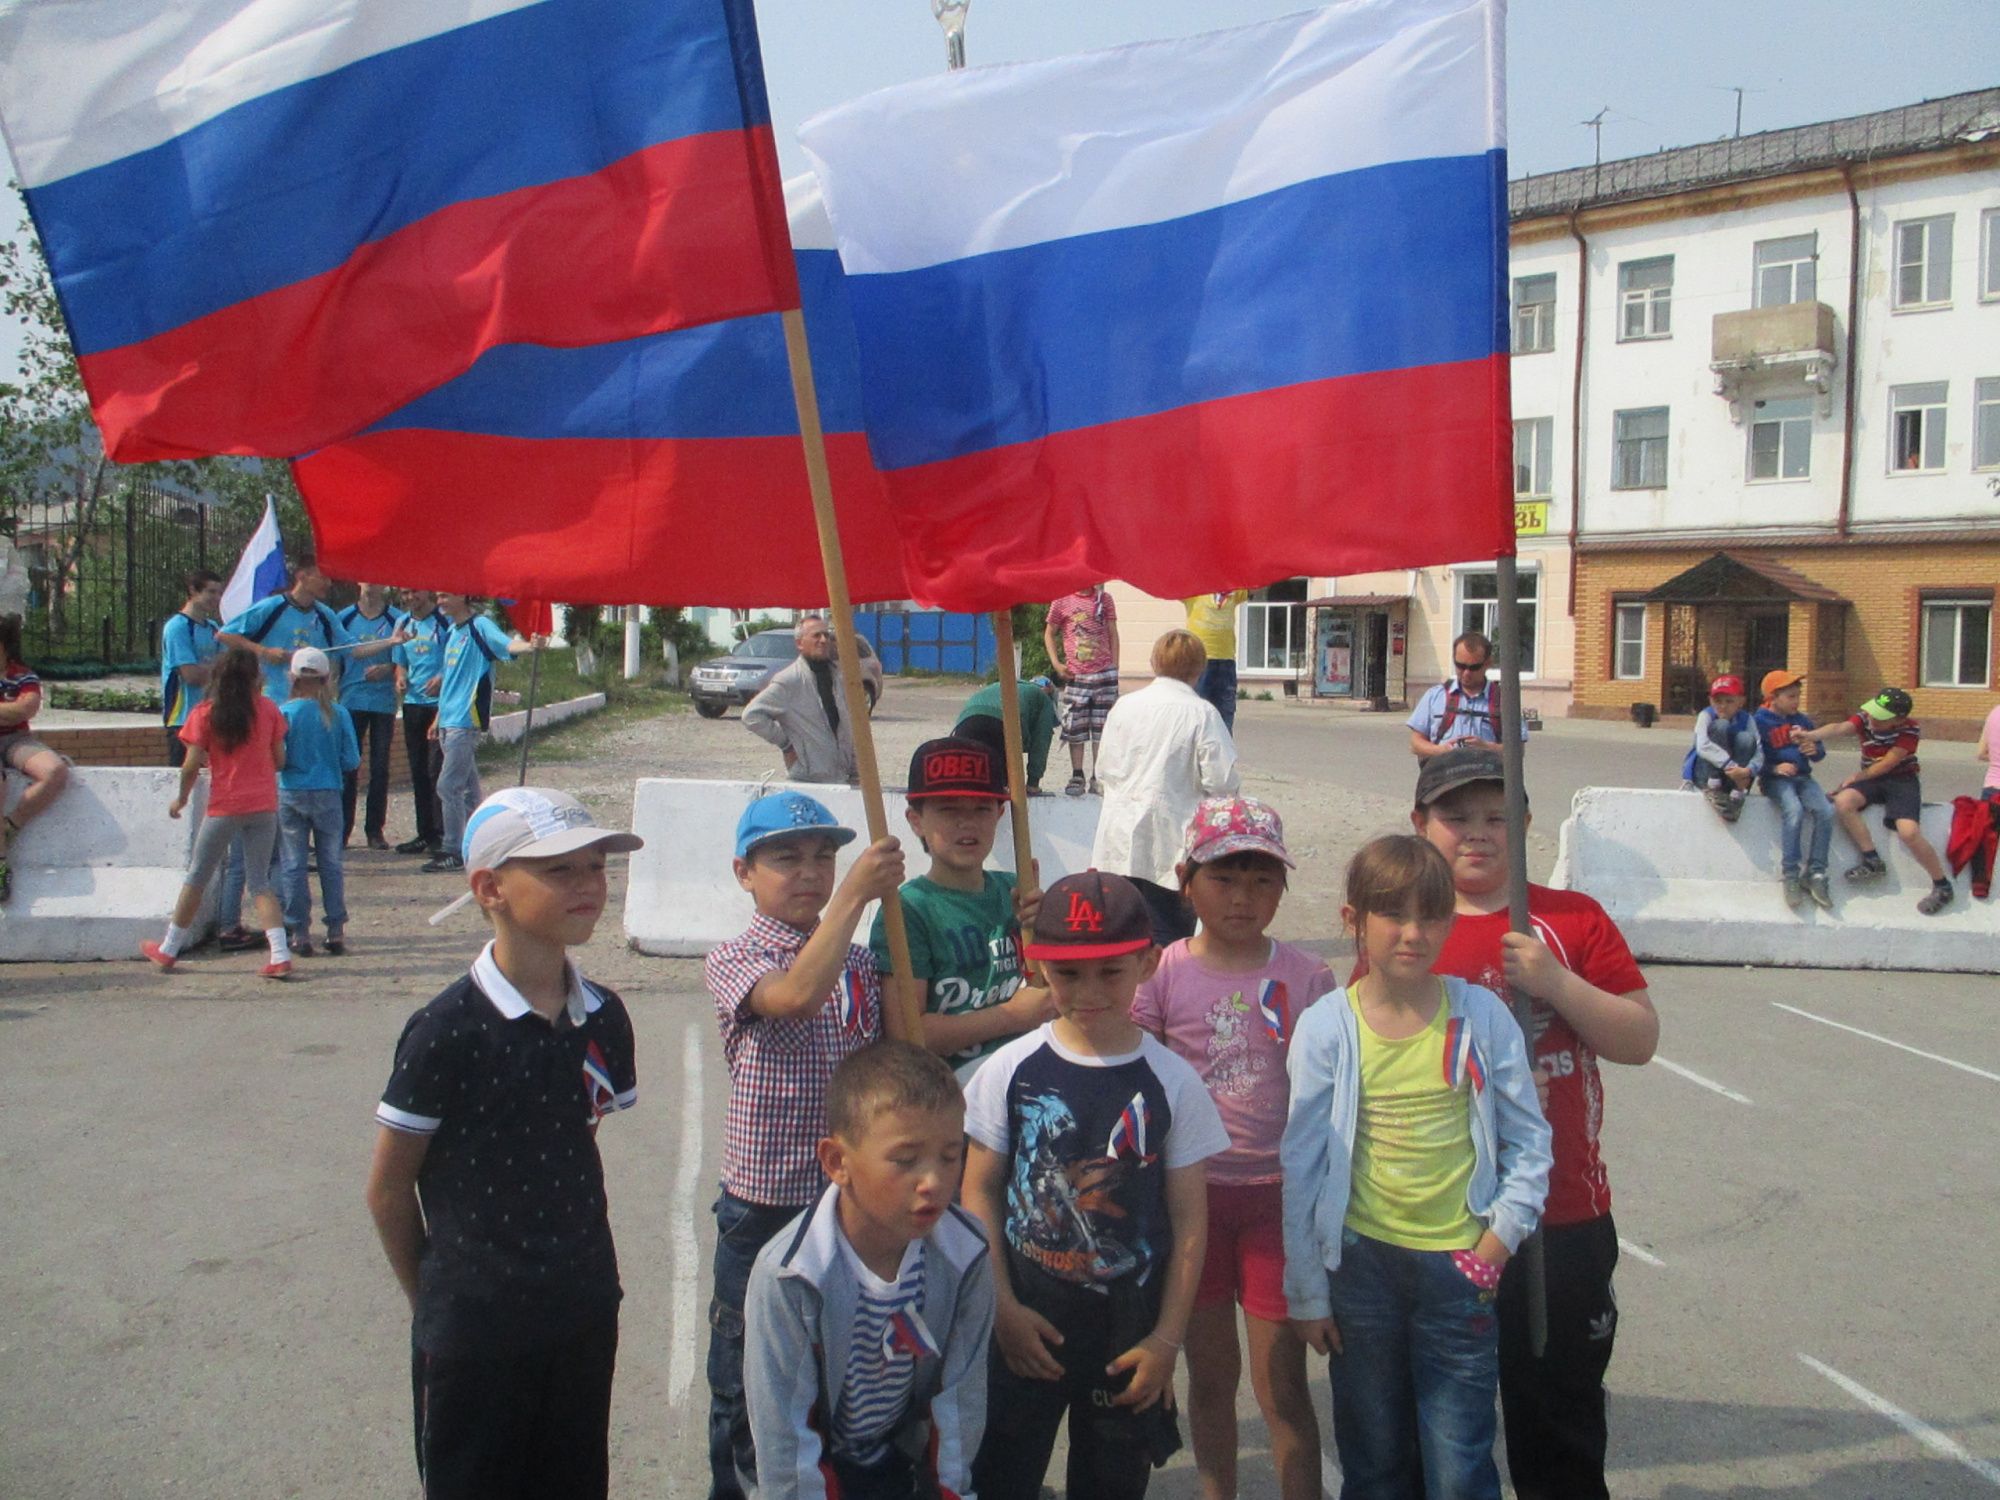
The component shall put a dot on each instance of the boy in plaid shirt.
(793, 996)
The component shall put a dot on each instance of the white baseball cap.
(535, 822)
(311, 659)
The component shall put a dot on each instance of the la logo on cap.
(1082, 916)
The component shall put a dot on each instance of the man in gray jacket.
(800, 711)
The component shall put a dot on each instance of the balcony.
(1763, 352)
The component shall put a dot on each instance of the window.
(1273, 637)
(1628, 642)
(1534, 314)
(1989, 255)
(1985, 424)
(1916, 428)
(1646, 298)
(1639, 449)
(1534, 455)
(1923, 263)
(1785, 271)
(1781, 440)
(1479, 609)
(1958, 635)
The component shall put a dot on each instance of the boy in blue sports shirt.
(472, 645)
(419, 663)
(272, 629)
(368, 693)
(187, 647)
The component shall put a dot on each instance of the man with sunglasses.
(1462, 710)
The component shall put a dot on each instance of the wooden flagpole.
(1017, 774)
(1512, 762)
(902, 1012)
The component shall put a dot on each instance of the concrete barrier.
(98, 872)
(508, 728)
(1685, 887)
(681, 899)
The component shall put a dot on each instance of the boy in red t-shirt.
(1589, 1002)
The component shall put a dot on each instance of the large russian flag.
(273, 221)
(1187, 313)
(666, 469)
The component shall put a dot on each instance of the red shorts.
(1246, 1249)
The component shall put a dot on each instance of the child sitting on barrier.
(1887, 779)
(47, 772)
(1725, 757)
(320, 749)
(793, 996)
(1788, 782)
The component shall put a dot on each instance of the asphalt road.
(193, 1304)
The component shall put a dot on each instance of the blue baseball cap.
(782, 814)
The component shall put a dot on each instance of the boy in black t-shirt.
(486, 1185)
(1088, 1138)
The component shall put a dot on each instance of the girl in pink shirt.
(1226, 999)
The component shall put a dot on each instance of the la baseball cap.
(956, 766)
(1222, 826)
(1890, 703)
(1092, 915)
(1728, 683)
(536, 822)
(1777, 680)
(783, 814)
(311, 659)
(1456, 768)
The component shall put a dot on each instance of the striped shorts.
(1087, 698)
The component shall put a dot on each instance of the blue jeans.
(312, 818)
(1797, 796)
(1742, 750)
(1414, 1383)
(741, 1230)
(1218, 686)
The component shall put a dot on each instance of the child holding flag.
(793, 996)
(1088, 1138)
(868, 1317)
(1226, 1000)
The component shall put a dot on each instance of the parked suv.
(733, 680)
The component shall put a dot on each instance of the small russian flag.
(1128, 1136)
(850, 1002)
(1274, 1005)
(907, 1337)
(597, 1085)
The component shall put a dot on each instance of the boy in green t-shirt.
(964, 919)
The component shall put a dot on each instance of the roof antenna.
(1739, 91)
(1595, 125)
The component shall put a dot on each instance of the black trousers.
(177, 750)
(1112, 1449)
(422, 753)
(529, 1426)
(372, 729)
(1553, 1407)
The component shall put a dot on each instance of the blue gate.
(930, 641)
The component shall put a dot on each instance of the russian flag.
(270, 223)
(260, 571)
(665, 468)
(1230, 307)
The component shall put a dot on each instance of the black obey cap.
(1092, 915)
(956, 767)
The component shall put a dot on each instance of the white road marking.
(681, 1209)
(1923, 1432)
(1642, 1255)
(1329, 1475)
(1949, 1062)
(1693, 1077)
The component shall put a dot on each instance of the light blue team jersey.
(356, 692)
(184, 642)
(317, 754)
(469, 653)
(422, 656)
(277, 622)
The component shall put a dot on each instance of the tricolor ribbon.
(1460, 1061)
(907, 1337)
(850, 1002)
(597, 1085)
(1274, 1005)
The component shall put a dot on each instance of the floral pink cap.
(1223, 826)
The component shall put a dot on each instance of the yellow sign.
(1531, 518)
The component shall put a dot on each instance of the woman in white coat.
(1164, 749)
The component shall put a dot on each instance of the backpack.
(1453, 699)
(482, 696)
(1735, 725)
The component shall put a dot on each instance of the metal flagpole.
(950, 14)
(1512, 764)
(528, 725)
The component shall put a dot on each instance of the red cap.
(1728, 683)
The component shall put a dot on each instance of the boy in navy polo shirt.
(793, 996)
(495, 1096)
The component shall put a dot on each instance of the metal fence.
(104, 573)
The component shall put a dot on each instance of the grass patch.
(626, 703)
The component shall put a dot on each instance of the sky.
(1662, 70)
